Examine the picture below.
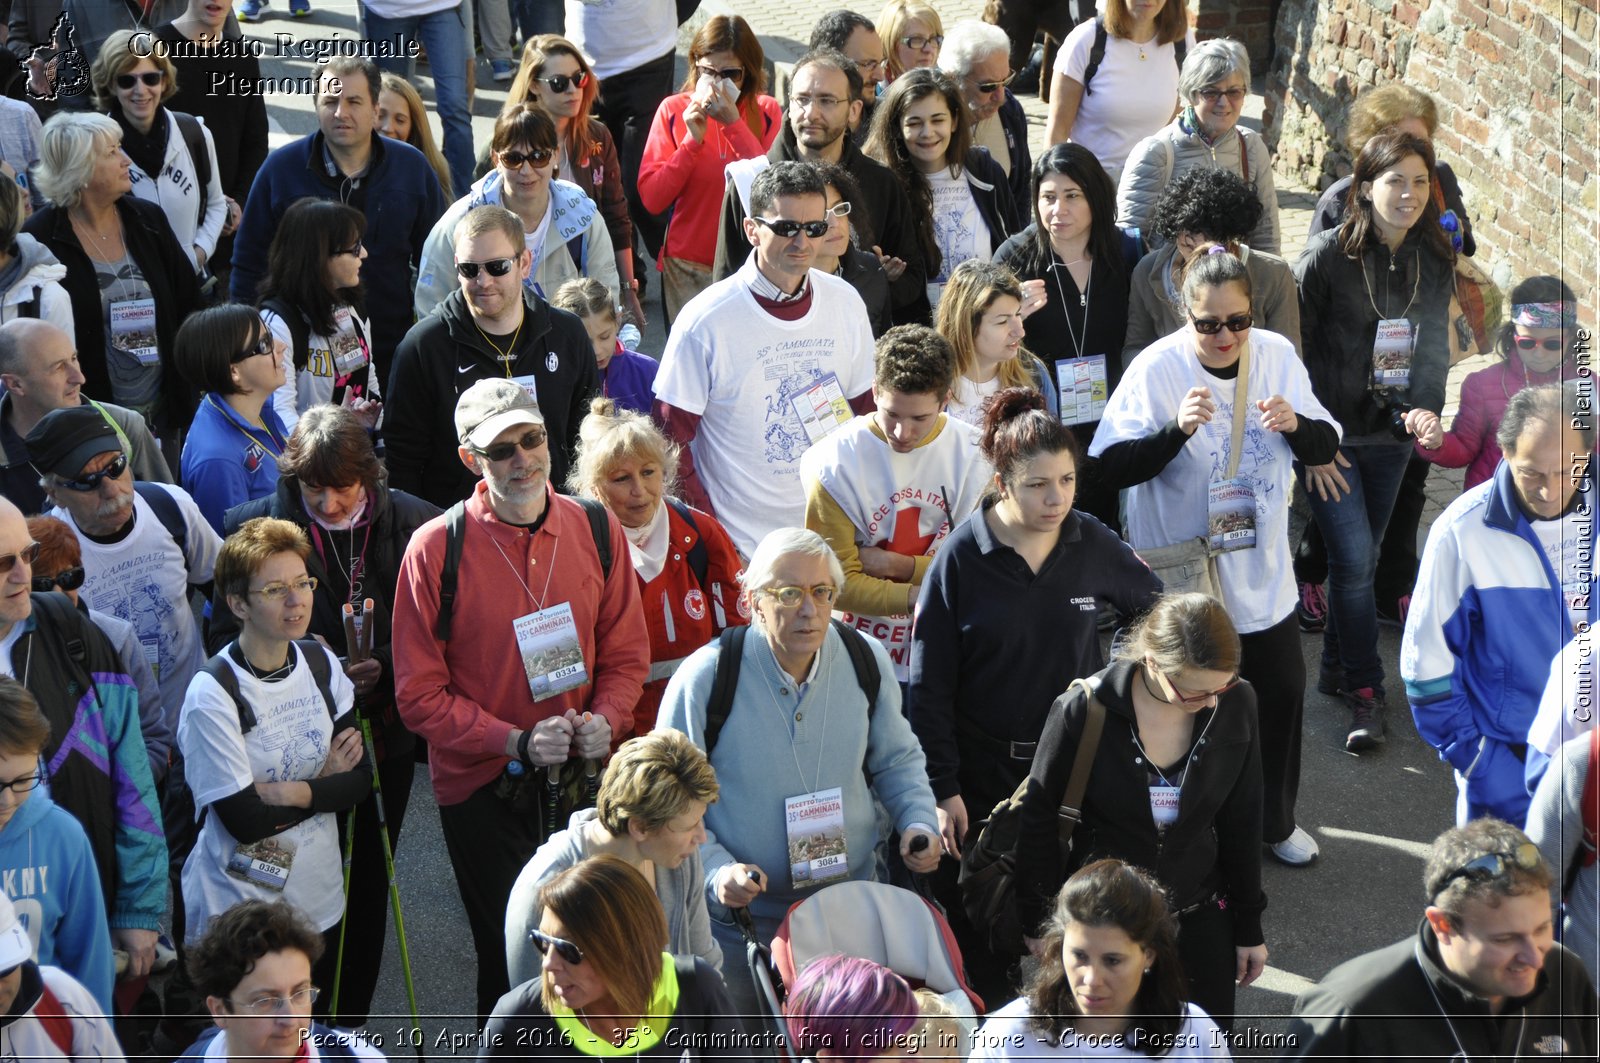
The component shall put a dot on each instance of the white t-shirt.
(289, 743)
(10, 639)
(1008, 1034)
(966, 402)
(1257, 583)
(313, 385)
(748, 375)
(1129, 98)
(1568, 546)
(358, 1041)
(958, 228)
(619, 35)
(144, 580)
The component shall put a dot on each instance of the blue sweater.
(1487, 616)
(629, 380)
(49, 873)
(227, 461)
(828, 734)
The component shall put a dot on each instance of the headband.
(1544, 315)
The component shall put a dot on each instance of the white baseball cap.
(15, 945)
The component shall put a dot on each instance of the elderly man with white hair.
(978, 56)
(803, 725)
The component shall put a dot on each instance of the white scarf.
(648, 544)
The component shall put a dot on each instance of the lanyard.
(827, 671)
(358, 561)
(267, 446)
(1416, 282)
(1515, 1051)
(538, 603)
(1182, 772)
(1083, 302)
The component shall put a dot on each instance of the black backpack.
(195, 140)
(1097, 53)
(316, 656)
(455, 534)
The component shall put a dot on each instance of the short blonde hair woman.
(912, 34)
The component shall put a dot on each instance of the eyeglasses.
(987, 87)
(27, 555)
(90, 481)
(513, 160)
(791, 597)
(559, 82)
(354, 249)
(822, 103)
(734, 74)
(919, 43)
(1216, 95)
(497, 267)
(1194, 699)
(790, 229)
(531, 440)
(277, 592)
(869, 67)
(840, 209)
(1549, 343)
(299, 1000)
(1210, 326)
(151, 78)
(69, 579)
(565, 949)
(20, 785)
(1493, 865)
(263, 346)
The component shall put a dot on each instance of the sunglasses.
(790, 229)
(1549, 343)
(151, 78)
(533, 439)
(90, 481)
(732, 73)
(1215, 95)
(27, 555)
(1493, 865)
(513, 160)
(560, 82)
(565, 949)
(263, 346)
(987, 87)
(497, 267)
(1208, 326)
(69, 579)
(840, 209)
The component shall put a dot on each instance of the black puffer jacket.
(1339, 321)
(1215, 845)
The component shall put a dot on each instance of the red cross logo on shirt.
(908, 539)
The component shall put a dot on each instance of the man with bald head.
(39, 368)
(96, 761)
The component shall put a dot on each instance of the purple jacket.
(629, 380)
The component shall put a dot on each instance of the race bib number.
(1391, 353)
(552, 656)
(818, 853)
(1164, 805)
(1232, 508)
(1082, 383)
(528, 384)
(264, 863)
(133, 329)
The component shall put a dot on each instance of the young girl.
(1536, 347)
(980, 316)
(626, 376)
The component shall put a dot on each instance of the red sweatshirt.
(685, 174)
(467, 696)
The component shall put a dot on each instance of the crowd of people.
(998, 451)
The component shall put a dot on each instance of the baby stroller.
(902, 930)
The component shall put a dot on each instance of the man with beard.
(978, 56)
(857, 39)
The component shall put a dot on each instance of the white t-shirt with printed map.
(289, 743)
(958, 228)
(764, 390)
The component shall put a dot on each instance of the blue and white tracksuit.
(1487, 616)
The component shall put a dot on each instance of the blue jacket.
(399, 194)
(47, 868)
(1014, 121)
(228, 462)
(1487, 617)
(629, 380)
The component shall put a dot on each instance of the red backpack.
(53, 1017)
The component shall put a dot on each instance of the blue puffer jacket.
(1486, 618)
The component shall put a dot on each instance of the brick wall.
(1246, 21)
(1515, 82)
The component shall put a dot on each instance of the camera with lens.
(1397, 419)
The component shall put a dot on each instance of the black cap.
(64, 441)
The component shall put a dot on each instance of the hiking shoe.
(250, 10)
(1366, 720)
(1297, 850)
(300, 8)
(1394, 615)
(1312, 608)
(502, 69)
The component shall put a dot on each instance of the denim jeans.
(1353, 530)
(533, 17)
(444, 35)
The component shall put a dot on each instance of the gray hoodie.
(41, 274)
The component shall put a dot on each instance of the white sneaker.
(1297, 850)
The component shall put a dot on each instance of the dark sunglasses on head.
(1493, 865)
(564, 948)
(790, 229)
(149, 77)
(533, 439)
(497, 267)
(67, 579)
(91, 480)
(987, 87)
(263, 346)
(1549, 343)
(734, 74)
(9, 971)
(513, 160)
(559, 82)
(1208, 326)
(27, 555)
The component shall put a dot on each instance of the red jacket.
(467, 696)
(675, 607)
(685, 174)
(1470, 443)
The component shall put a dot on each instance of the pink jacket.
(1470, 443)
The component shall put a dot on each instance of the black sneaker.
(1366, 720)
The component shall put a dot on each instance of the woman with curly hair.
(401, 116)
(1202, 209)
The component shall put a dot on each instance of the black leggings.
(1206, 947)
(1271, 660)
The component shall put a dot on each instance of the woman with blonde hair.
(912, 34)
(686, 563)
(721, 114)
(980, 316)
(608, 985)
(402, 116)
(555, 73)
